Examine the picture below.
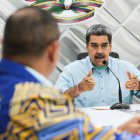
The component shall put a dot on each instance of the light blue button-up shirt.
(105, 91)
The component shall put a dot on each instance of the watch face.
(69, 11)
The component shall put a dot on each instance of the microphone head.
(104, 62)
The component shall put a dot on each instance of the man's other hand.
(132, 83)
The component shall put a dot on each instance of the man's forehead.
(101, 38)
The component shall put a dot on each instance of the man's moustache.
(99, 56)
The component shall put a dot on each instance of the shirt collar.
(41, 78)
(92, 67)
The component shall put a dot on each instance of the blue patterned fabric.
(11, 73)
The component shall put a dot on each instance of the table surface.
(103, 116)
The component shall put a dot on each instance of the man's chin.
(99, 62)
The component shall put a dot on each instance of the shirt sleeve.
(65, 80)
(134, 70)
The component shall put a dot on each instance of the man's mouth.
(100, 57)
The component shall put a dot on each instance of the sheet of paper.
(101, 108)
(107, 117)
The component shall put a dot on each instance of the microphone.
(119, 105)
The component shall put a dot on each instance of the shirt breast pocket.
(112, 97)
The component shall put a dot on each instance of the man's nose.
(99, 50)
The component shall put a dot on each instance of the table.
(111, 117)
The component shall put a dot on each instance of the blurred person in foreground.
(30, 108)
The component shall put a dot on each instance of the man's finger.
(89, 73)
(88, 79)
(129, 74)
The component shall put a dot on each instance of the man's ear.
(52, 50)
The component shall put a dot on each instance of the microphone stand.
(119, 105)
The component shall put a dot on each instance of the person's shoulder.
(37, 104)
(76, 64)
(34, 92)
(120, 62)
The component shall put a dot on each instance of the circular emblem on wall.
(69, 11)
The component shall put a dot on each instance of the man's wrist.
(79, 88)
(73, 92)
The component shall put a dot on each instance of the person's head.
(99, 43)
(31, 38)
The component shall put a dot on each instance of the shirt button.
(101, 76)
(102, 88)
(84, 98)
(103, 101)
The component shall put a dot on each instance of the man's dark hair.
(28, 32)
(98, 30)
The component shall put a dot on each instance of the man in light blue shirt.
(89, 81)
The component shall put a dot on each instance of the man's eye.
(94, 46)
(104, 45)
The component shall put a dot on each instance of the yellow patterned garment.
(38, 112)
